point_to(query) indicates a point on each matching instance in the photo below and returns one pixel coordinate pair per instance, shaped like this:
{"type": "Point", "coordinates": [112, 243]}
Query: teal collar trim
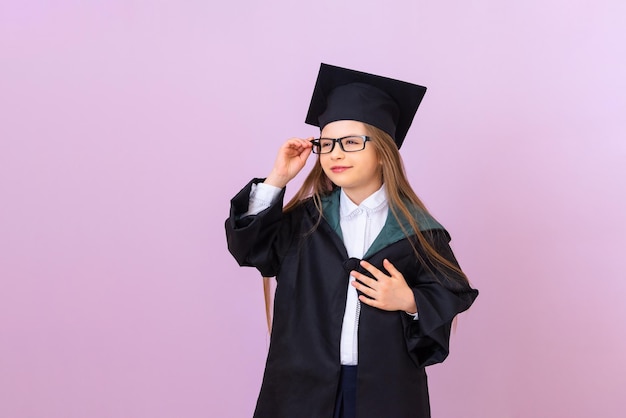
{"type": "Point", "coordinates": [391, 232]}
{"type": "Point", "coordinates": [330, 210]}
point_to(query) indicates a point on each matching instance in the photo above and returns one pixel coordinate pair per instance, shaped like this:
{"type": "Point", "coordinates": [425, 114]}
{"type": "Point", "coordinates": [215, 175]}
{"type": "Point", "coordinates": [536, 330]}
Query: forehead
{"type": "Point", "coordinates": [342, 128]}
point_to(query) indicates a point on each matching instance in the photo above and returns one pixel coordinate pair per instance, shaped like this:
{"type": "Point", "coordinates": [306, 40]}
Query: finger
{"type": "Point", "coordinates": [296, 147]}
{"type": "Point", "coordinates": [371, 302]}
{"type": "Point", "coordinates": [305, 142]}
{"type": "Point", "coordinates": [372, 269]}
{"type": "Point", "coordinates": [364, 289]}
{"type": "Point", "coordinates": [367, 281]}
{"type": "Point", "coordinates": [306, 152]}
{"type": "Point", "coordinates": [391, 269]}
{"type": "Point", "coordinates": [295, 143]}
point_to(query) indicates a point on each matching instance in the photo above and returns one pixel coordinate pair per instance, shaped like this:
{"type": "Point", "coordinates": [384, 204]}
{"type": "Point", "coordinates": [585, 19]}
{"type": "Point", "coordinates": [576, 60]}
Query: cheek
{"type": "Point", "coordinates": [325, 163]}
{"type": "Point", "coordinates": [376, 166]}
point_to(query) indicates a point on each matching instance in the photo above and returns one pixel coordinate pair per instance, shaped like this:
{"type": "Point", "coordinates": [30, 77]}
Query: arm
{"type": "Point", "coordinates": [252, 229]}
{"type": "Point", "coordinates": [436, 298]}
{"type": "Point", "coordinates": [262, 195]}
{"type": "Point", "coordinates": [439, 299]}
{"type": "Point", "coordinates": [251, 239]}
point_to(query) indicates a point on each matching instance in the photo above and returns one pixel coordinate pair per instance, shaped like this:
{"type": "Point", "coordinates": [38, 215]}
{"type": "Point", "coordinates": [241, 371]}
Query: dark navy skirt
{"type": "Point", "coordinates": [345, 405]}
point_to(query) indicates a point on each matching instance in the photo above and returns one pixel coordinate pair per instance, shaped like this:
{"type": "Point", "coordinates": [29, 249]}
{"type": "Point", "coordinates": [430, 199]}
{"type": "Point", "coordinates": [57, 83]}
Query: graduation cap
{"type": "Point", "coordinates": [343, 94]}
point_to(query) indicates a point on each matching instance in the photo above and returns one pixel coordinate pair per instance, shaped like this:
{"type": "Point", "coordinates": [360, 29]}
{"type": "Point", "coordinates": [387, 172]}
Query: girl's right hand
{"type": "Point", "coordinates": [291, 159]}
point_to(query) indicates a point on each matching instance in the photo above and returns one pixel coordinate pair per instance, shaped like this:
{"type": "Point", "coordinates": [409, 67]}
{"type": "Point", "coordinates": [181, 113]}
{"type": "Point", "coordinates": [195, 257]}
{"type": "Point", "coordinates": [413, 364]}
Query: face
{"type": "Point", "coordinates": [358, 173]}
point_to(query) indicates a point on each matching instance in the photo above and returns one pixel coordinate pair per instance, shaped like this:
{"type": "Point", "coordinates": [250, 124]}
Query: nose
{"type": "Point", "coordinates": [337, 152]}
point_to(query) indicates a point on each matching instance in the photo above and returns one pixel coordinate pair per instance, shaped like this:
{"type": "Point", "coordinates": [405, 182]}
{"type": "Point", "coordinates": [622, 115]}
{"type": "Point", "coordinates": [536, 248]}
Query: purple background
{"type": "Point", "coordinates": [126, 127]}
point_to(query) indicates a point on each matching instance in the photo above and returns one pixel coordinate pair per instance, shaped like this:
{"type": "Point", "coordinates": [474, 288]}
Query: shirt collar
{"type": "Point", "coordinates": [373, 203]}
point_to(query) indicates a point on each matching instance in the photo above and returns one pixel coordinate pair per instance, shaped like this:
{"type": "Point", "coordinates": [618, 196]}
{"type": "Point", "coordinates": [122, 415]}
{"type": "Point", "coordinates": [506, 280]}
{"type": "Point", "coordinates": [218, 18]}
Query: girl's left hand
{"type": "Point", "coordinates": [387, 292]}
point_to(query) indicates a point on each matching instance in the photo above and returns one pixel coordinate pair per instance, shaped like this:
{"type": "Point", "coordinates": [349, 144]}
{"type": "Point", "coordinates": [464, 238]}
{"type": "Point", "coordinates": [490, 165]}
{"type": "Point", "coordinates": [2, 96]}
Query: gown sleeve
{"type": "Point", "coordinates": [252, 240]}
{"type": "Point", "coordinates": [439, 299]}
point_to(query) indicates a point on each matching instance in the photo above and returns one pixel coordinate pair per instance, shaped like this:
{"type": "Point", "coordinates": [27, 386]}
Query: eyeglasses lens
{"type": "Point", "coordinates": [349, 144]}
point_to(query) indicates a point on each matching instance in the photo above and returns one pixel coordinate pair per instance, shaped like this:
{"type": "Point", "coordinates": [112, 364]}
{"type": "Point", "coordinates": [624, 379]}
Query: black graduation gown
{"type": "Point", "coordinates": [311, 268]}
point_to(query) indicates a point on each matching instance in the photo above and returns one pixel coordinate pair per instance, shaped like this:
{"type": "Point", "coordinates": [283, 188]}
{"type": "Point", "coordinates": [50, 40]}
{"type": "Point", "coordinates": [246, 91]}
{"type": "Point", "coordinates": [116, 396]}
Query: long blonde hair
{"type": "Point", "coordinates": [400, 196]}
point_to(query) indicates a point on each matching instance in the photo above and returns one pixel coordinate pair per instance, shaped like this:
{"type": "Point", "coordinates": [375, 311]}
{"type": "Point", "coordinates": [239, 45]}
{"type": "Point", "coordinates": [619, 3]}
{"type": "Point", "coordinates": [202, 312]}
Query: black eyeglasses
{"type": "Point", "coordinates": [352, 143]}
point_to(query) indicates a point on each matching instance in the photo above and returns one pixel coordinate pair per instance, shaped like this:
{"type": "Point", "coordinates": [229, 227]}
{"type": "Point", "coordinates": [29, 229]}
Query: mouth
{"type": "Point", "coordinates": [339, 168]}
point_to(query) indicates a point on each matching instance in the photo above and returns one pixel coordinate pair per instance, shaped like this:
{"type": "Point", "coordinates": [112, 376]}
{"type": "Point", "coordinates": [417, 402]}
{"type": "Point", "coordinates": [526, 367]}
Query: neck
{"type": "Point", "coordinates": [359, 195]}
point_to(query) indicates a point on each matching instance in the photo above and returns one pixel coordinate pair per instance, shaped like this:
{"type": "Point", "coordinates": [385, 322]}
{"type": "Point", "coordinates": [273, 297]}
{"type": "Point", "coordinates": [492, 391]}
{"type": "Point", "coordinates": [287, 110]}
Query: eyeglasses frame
{"type": "Point", "coordinates": [316, 141]}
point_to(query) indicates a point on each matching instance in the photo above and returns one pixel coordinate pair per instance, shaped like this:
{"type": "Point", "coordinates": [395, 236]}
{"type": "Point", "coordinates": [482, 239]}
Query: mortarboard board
{"type": "Point", "coordinates": [343, 94]}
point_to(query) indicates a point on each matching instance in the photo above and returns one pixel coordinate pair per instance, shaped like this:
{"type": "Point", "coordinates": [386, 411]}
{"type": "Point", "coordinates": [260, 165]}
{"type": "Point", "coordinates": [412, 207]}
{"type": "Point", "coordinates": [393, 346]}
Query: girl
{"type": "Point", "coordinates": [367, 285]}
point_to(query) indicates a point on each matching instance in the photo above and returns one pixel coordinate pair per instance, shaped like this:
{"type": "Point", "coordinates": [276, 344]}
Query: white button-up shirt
{"type": "Point", "coordinates": [360, 225]}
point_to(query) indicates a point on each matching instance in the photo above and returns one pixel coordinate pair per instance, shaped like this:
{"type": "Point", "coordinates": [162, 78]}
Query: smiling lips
{"type": "Point", "coordinates": [339, 168]}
